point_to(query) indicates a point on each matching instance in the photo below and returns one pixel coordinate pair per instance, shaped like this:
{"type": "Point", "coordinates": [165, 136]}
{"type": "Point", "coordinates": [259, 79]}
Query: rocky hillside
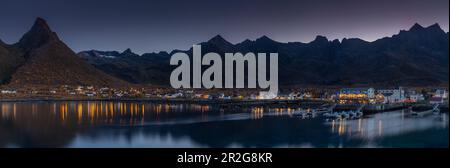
{"type": "Point", "coordinates": [41, 58]}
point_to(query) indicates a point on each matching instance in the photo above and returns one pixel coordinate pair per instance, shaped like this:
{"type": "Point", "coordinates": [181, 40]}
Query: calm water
{"type": "Point", "coordinates": [135, 124]}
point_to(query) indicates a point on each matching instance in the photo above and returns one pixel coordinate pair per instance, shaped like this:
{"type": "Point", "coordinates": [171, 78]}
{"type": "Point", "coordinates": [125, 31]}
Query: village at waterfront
{"type": "Point", "coordinates": [333, 102]}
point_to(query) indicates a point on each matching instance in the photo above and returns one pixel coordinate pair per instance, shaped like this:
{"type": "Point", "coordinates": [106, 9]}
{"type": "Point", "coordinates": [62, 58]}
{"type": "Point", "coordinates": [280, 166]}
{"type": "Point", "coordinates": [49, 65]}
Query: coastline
{"type": "Point", "coordinates": [374, 108]}
{"type": "Point", "coordinates": [174, 100]}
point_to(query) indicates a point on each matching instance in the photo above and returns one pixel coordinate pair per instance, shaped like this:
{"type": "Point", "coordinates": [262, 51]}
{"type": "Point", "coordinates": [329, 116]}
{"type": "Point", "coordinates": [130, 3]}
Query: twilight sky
{"type": "Point", "coordinates": [163, 25]}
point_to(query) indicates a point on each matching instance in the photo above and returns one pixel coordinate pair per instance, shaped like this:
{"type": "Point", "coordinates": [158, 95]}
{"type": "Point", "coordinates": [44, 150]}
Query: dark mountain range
{"type": "Point", "coordinates": [150, 68]}
{"type": "Point", "coordinates": [41, 58]}
{"type": "Point", "coordinates": [415, 57]}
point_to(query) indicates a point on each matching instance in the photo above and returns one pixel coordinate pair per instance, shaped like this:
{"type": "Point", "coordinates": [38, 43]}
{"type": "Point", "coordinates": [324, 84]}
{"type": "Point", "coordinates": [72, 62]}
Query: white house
{"type": "Point", "coordinates": [393, 95]}
{"type": "Point", "coordinates": [8, 92]}
{"type": "Point", "coordinates": [266, 95]}
{"type": "Point", "coordinates": [441, 93]}
{"type": "Point", "coordinates": [416, 97]}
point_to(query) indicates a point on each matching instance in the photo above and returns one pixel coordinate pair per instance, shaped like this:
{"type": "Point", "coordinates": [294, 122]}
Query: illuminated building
{"type": "Point", "coordinates": [356, 95]}
{"type": "Point", "coordinates": [393, 95]}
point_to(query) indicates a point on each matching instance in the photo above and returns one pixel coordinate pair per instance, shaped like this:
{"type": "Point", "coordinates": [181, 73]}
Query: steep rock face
{"type": "Point", "coordinates": [55, 64]}
{"type": "Point", "coordinates": [10, 59]}
{"type": "Point", "coordinates": [50, 62]}
{"type": "Point", "coordinates": [37, 36]}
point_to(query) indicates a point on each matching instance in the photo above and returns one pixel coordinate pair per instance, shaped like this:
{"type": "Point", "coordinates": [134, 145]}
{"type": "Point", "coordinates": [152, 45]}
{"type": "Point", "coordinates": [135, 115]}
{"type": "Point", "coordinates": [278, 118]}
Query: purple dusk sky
{"type": "Point", "coordinates": [156, 25]}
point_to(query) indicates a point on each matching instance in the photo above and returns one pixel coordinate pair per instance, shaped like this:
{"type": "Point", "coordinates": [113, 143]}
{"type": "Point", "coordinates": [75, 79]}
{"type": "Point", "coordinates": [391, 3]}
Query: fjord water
{"type": "Point", "coordinates": [143, 124]}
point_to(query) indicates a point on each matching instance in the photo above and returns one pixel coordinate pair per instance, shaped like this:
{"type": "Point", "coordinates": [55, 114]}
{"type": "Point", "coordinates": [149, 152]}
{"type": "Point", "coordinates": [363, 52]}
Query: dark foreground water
{"type": "Point", "coordinates": [135, 124]}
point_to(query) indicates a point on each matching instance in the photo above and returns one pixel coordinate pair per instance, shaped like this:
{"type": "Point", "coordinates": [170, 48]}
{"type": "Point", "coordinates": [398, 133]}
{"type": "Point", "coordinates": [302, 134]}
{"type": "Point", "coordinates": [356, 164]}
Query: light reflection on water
{"type": "Point", "coordinates": [387, 124]}
{"type": "Point", "coordinates": [140, 124]}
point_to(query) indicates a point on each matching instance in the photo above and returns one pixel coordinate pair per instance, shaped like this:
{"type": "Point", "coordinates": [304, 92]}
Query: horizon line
{"type": "Point", "coordinates": [235, 43]}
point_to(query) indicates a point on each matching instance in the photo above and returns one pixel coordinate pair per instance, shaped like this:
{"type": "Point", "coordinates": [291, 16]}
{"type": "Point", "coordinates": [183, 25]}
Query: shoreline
{"type": "Point", "coordinates": [226, 103]}
{"type": "Point", "coordinates": [178, 100]}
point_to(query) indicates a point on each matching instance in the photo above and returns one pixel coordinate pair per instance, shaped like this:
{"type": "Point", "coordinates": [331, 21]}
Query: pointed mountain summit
{"type": "Point", "coordinates": [39, 34]}
{"type": "Point", "coordinates": [50, 62]}
{"type": "Point", "coordinates": [246, 41]}
{"type": "Point", "coordinates": [219, 40]}
{"type": "Point", "coordinates": [128, 53]}
{"type": "Point", "coordinates": [419, 29]}
{"type": "Point", "coordinates": [217, 43]}
{"type": "Point", "coordinates": [435, 28]}
{"type": "Point", "coordinates": [245, 45]}
{"type": "Point", "coordinates": [419, 34]}
{"type": "Point", "coordinates": [265, 38]}
{"type": "Point", "coordinates": [416, 27]}
{"type": "Point", "coordinates": [261, 44]}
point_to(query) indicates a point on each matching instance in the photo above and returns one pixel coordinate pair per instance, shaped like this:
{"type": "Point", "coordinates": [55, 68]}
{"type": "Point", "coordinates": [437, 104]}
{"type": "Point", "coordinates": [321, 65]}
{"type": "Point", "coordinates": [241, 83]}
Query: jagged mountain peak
{"type": "Point", "coordinates": [246, 41]}
{"type": "Point", "coordinates": [416, 27]}
{"type": "Point", "coordinates": [39, 34]}
{"type": "Point", "coordinates": [128, 52]}
{"type": "Point", "coordinates": [417, 31]}
{"type": "Point", "coordinates": [42, 23]}
{"type": "Point", "coordinates": [49, 61]}
{"type": "Point", "coordinates": [435, 26]}
{"type": "Point", "coordinates": [419, 28]}
{"type": "Point", "coordinates": [264, 39]}
{"type": "Point", "coordinates": [218, 40]}
{"type": "Point", "coordinates": [320, 39]}
{"type": "Point", "coordinates": [353, 61]}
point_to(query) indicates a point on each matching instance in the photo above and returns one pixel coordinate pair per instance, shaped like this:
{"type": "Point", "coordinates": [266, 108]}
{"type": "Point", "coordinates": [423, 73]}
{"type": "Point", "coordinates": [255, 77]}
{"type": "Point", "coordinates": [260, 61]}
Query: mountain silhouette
{"type": "Point", "coordinates": [43, 59]}
{"type": "Point", "coordinates": [418, 56]}
{"type": "Point", "coordinates": [415, 57]}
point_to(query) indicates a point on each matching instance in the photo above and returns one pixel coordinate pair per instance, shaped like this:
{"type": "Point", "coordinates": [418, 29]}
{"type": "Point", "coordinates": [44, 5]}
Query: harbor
{"type": "Point", "coordinates": [150, 124]}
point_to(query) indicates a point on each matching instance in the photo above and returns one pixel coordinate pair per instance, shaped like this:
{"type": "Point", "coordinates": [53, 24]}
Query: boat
{"type": "Point", "coordinates": [304, 114]}
{"type": "Point", "coordinates": [321, 110]}
{"type": "Point", "coordinates": [343, 115]}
